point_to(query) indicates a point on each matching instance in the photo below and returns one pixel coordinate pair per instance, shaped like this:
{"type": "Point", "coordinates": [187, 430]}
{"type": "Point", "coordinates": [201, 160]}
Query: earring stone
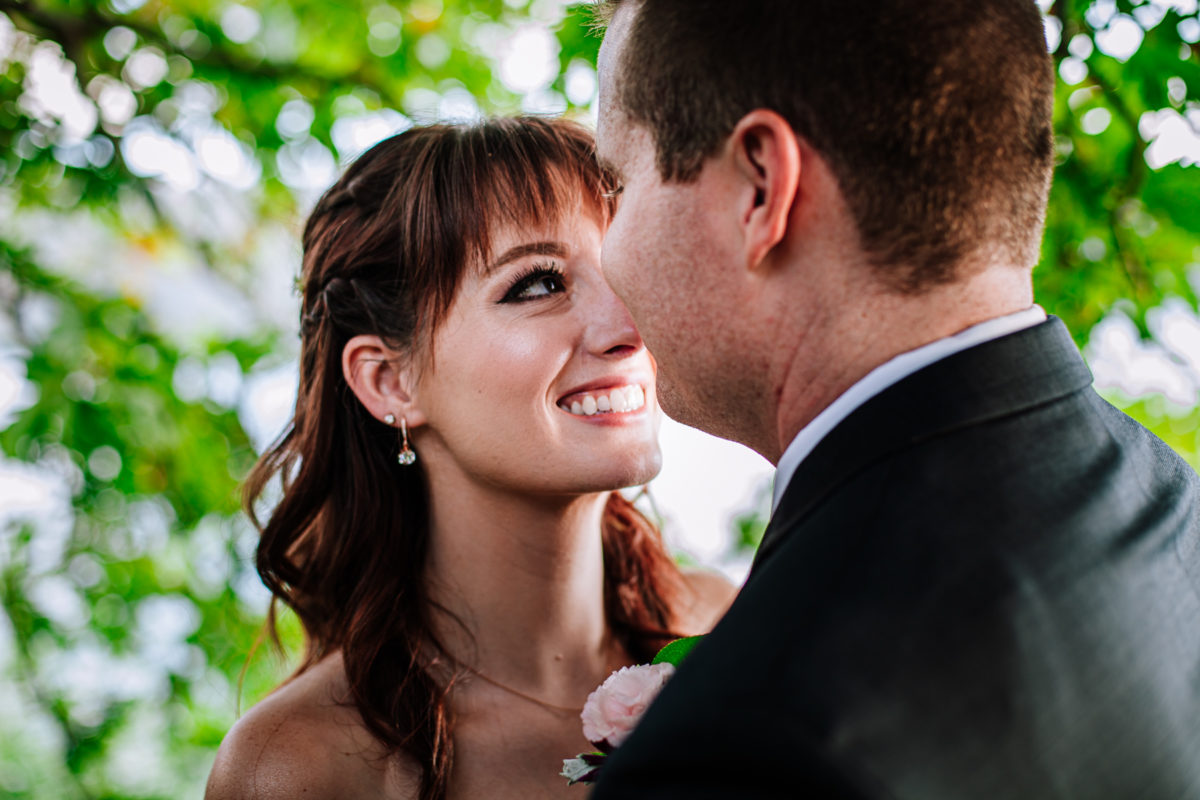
{"type": "Point", "coordinates": [406, 456]}
{"type": "Point", "coordinates": [390, 419]}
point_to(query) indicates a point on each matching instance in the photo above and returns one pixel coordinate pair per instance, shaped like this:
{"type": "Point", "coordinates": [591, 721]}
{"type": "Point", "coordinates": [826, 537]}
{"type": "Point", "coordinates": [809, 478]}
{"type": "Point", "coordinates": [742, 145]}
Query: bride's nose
{"type": "Point", "coordinates": [610, 330]}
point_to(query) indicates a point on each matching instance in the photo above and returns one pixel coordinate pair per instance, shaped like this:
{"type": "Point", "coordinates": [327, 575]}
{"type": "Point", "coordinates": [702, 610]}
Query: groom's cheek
{"type": "Point", "coordinates": [614, 263]}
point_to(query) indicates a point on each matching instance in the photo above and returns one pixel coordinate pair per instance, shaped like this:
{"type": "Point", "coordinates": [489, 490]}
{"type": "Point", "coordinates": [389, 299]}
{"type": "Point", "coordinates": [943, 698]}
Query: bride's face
{"type": "Point", "coordinates": [539, 380]}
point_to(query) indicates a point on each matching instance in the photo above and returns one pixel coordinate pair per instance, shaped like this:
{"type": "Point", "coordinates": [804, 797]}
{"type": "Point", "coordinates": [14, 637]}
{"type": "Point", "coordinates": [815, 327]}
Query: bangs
{"type": "Point", "coordinates": [524, 173]}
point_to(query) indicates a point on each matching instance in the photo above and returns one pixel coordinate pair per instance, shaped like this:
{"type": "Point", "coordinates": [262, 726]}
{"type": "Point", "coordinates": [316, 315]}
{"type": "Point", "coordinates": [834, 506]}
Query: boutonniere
{"type": "Point", "coordinates": [615, 708]}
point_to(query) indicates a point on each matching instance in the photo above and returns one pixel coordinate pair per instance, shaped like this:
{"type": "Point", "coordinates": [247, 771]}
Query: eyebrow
{"type": "Point", "coordinates": [557, 249]}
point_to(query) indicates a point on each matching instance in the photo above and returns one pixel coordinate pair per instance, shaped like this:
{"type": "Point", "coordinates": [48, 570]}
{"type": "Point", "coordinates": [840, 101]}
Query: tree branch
{"type": "Point", "coordinates": [1129, 188]}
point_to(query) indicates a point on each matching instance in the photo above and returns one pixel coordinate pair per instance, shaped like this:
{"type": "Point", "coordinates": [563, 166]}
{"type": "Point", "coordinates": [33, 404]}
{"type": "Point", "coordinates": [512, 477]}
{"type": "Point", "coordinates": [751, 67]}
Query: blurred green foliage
{"type": "Point", "coordinates": [155, 149]}
{"type": "Point", "coordinates": [1120, 233]}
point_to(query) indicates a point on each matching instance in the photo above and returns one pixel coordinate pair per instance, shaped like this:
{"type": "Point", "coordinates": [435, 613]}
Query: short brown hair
{"type": "Point", "coordinates": [934, 116]}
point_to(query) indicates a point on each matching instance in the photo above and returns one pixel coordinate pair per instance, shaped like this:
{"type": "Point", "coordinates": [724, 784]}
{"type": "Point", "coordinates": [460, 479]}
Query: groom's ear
{"type": "Point", "coordinates": [766, 155]}
{"type": "Point", "coordinates": [382, 379]}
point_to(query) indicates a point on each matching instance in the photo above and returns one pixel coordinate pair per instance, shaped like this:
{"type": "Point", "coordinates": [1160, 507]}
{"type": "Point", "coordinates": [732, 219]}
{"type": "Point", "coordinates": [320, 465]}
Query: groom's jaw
{"type": "Point", "coordinates": [617, 400]}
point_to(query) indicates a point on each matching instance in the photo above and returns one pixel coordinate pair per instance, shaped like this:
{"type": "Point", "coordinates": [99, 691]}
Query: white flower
{"type": "Point", "coordinates": [578, 770]}
{"type": "Point", "coordinates": [613, 710]}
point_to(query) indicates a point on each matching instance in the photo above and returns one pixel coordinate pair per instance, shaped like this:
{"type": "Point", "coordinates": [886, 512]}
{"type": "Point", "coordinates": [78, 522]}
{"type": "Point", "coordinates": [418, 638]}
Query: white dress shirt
{"type": "Point", "coordinates": [885, 375]}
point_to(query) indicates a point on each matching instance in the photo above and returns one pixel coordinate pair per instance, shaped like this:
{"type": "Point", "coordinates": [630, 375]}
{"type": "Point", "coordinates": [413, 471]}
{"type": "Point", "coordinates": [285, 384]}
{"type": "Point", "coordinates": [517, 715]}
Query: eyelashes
{"type": "Point", "coordinates": [535, 283]}
{"type": "Point", "coordinates": [614, 193]}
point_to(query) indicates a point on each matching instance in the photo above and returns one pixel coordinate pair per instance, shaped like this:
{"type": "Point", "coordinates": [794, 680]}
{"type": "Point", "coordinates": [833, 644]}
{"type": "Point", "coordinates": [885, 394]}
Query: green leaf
{"type": "Point", "coordinates": [677, 651]}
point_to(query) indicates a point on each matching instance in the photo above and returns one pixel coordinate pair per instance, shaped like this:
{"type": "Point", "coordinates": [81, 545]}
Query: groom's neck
{"type": "Point", "coordinates": [862, 327]}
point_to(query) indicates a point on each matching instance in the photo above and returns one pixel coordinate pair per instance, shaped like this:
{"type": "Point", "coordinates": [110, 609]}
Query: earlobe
{"type": "Point", "coordinates": [381, 379]}
{"type": "Point", "coordinates": [767, 154]}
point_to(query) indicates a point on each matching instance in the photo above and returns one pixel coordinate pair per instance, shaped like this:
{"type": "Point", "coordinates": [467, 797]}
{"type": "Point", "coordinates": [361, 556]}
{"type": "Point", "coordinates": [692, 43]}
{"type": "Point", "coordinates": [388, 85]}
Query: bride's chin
{"type": "Point", "coordinates": [628, 473]}
{"type": "Point", "coordinates": [641, 471]}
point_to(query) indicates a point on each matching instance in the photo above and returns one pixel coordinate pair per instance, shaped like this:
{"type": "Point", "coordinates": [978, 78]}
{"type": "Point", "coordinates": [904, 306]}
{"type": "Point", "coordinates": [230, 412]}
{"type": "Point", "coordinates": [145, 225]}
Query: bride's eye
{"type": "Point", "coordinates": [540, 281]}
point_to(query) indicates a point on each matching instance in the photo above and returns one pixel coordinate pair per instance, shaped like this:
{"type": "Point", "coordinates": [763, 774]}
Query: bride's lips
{"type": "Point", "coordinates": [616, 396]}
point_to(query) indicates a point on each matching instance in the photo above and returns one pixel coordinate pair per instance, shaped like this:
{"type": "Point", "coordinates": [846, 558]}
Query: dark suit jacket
{"type": "Point", "coordinates": [984, 583]}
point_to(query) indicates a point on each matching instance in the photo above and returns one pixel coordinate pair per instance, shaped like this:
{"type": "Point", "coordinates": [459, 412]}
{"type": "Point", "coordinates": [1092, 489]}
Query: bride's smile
{"type": "Point", "coordinates": [623, 400]}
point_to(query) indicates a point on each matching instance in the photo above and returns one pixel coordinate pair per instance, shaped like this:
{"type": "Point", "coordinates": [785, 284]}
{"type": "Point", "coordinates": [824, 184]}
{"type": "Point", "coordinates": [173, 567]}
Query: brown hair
{"type": "Point", "coordinates": [345, 548]}
{"type": "Point", "coordinates": [935, 117]}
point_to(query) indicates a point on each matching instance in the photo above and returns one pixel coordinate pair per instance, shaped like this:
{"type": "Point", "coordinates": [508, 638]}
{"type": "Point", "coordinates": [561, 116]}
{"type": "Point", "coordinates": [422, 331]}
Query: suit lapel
{"type": "Point", "coordinates": [995, 379]}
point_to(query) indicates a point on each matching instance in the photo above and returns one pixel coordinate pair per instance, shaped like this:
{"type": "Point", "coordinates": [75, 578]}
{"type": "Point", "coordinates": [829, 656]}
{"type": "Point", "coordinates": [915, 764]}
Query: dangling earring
{"type": "Point", "coordinates": [406, 457]}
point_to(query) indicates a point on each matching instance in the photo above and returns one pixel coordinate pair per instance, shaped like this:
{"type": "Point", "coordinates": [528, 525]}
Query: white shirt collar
{"type": "Point", "coordinates": [885, 375]}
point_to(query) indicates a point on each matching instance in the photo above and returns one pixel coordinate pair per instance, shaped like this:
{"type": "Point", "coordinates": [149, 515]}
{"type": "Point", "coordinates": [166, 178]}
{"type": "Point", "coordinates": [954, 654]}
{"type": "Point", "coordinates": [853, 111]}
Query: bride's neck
{"type": "Point", "coordinates": [525, 577]}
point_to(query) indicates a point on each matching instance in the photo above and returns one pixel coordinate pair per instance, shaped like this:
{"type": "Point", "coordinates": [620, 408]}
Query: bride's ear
{"type": "Point", "coordinates": [381, 378]}
{"type": "Point", "coordinates": [767, 156]}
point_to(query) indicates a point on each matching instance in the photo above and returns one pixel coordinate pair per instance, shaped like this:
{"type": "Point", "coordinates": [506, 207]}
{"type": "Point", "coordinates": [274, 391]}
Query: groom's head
{"type": "Point", "coordinates": [910, 139]}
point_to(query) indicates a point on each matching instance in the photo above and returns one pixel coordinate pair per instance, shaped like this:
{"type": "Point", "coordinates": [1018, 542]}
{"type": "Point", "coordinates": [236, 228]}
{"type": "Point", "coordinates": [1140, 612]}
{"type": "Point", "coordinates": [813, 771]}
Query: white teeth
{"type": "Point", "coordinates": [620, 400]}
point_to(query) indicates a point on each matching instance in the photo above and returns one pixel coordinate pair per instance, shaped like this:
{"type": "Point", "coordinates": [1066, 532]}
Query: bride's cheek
{"type": "Point", "coordinates": [513, 368]}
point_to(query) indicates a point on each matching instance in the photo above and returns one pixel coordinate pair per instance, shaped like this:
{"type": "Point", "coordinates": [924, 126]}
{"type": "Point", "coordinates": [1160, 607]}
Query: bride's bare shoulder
{"type": "Point", "coordinates": [301, 741]}
{"type": "Point", "coordinates": [271, 754]}
{"type": "Point", "coordinates": [707, 597]}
